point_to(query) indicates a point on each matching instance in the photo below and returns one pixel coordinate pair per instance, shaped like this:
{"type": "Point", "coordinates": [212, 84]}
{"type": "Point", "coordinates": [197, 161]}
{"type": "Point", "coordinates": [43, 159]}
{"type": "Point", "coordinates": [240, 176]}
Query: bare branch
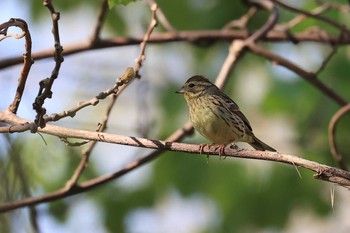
{"type": "Point", "coordinates": [161, 17]}
{"type": "Point", "coordinates": [100, 20]}
{"type": "Point", "coordinates": [331, 135]}
{"type": "Point", "coordinates": [323, 170]}
{"type": "Point", "coordinates": [237, 46]}
{"type": "Point", "coordinates": [96, 182]}
{"type": "Point", "coordinates": [300, 18]}
{"type": "Point", "coordinates": [308, 76]}
{"type": "Point", "coordinates": [128, 76]}
{"type": "Point", "coordinates": [341, 27]}
{"type": "Point", "coordinates": [142, 57]}
{"type": "Point", "coordinates": [27, 57]}
{"type": "Point", "coordinates": [326, 60]}
{"type": "Point", "coordinates": [317, 36]}
{"type": "Point", "coordinates": [46, 84]}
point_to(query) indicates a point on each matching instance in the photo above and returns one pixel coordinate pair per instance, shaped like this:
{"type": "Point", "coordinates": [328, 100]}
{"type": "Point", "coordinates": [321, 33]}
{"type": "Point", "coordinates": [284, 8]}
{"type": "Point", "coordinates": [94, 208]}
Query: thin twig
{"type": "Point", "coordinates": [331, 135]}
{"type": "Point", "coordinates": [341, 27]}
{"type": "Point", "coordinates": [23, 179]}
{"type": "Point", "coordinates": [162, 18]}
{"type": "Point", "coordinates": [326, 60]}
{"type": "Point", "coordinates": [126, 78]}
{"type": "Point", "coordinates": [100, 20]}
{"type": "Point", "coordinates": [142, 57]}
{"type": "Point", "coordinates": [308, 76]}
{"type": "Point", "coordinates": [300, 18]}
{"type": "Point", "coordinates": [46, 84]}
{"type": "Point", "coordinates": [237, 46]}
{"type": "Point", "coordinates": [318, 36]}
{"type": "Point", "coordinates": [27, 57]}
{"type": "Point", "coordinates": [242, 22]}
{"type": "Point", "coordinates": [178, 135]}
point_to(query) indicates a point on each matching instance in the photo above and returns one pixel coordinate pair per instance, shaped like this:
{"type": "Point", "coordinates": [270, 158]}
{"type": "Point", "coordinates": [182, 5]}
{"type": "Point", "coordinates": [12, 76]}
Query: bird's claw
{"type": "Point", "coordinates": [221, 150]}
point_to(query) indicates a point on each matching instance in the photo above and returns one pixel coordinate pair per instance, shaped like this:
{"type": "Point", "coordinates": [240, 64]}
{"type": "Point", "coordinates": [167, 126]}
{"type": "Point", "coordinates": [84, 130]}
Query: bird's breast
{"type": "Point", "coordinates": [214, 122]}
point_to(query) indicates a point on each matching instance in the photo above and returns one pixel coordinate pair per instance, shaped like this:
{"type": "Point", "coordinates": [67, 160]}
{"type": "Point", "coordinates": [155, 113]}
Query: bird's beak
{"type": "Point", "coordinates": [180, 91]}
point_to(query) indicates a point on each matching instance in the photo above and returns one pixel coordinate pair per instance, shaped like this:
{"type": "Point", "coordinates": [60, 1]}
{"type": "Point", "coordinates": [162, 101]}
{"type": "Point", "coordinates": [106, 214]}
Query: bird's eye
{"type": "Point", "coordinates": [191, 85]}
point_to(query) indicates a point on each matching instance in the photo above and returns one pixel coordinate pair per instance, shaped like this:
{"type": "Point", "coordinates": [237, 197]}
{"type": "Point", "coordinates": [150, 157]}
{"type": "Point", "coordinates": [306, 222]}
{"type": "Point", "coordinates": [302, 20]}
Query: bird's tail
{"type": "Point", "coordinates": [259, 145]}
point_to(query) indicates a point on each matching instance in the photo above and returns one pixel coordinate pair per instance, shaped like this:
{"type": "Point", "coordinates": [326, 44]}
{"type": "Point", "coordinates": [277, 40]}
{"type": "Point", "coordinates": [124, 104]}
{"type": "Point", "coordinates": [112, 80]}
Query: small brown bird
{"type": "Point", "coordinates": [216, 116]}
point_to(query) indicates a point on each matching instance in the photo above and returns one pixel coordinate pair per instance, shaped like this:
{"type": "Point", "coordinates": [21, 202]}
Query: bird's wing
{"type": "Point", "coordinates": [234, 108]}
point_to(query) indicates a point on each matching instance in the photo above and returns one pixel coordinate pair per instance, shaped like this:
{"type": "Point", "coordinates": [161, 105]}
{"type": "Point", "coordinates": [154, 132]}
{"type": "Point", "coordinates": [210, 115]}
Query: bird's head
{"type": "Point", "coordinates": [195, 86]}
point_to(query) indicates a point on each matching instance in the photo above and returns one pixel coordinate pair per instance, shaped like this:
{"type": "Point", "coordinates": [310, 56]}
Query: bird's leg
{"type": "Point", "coordinates": [201, 148]}
{"type": "Point", "coordinates": [221, 149]}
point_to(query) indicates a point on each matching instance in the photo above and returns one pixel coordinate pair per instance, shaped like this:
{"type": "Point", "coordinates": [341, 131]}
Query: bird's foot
{"type": "Point", "coordinates": [201, 148]}
{"type": "Point", "coordinates": [221, 149]}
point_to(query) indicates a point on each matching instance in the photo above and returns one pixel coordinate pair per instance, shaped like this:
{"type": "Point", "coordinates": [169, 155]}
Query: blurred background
{"type": "Point", "coordinates": [177, 192]}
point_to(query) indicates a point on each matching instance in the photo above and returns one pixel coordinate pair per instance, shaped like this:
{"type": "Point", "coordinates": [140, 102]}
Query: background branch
{"type": "Point", "coordinates": [318, 36]}
{"type": "Point", "coordinates": [332, 132]}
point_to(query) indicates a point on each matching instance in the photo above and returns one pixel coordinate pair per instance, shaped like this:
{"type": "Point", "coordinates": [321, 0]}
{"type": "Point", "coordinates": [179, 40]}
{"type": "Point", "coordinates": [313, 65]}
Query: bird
{"type": "Point", "coordinates": [216, 116]}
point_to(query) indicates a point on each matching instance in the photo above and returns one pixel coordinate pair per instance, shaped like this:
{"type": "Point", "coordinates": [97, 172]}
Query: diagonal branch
{"type": "Point", "coordinates": [100, 20]}
{"type": "Point", "coordinates": [128, 76]}
{"type": "Point", "coordinates": [142, 57]}
{"type": "Point", "coordinates": [335, 24]}
{"type": "Point", "coordinates": [237, 46]}
{"type": "Point", "coordinates": [308, 76]}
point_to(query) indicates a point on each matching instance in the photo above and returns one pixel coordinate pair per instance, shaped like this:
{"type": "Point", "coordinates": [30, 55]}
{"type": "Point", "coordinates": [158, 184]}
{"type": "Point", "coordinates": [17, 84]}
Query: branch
{"type": "Point", "coordinates": [46, 84]}
{"type": "Point", "coordinates": [27, 57]}
{"type": "Point", "coordinates": [128, 76]}
{"type": "Point", "coordinates": [96, 182]}
{"type": "Point", "coordinates": [237, 46]}
{"type": "Point", "coordinates": [323, 172]}
{"type": "Point", "coordinates": [318, 36]}
{"type": "Point", "coordinates": [331, 135]}
{"type": "Point", "coordinates": [308, 76]}
{"type": "Point", "coordinates": [335, 24]}
{"type": "Point", "coordinates": [161, 17]}
{"type": "Point", "coordinates": [100, 20]}
{"type": "Point", "coordinates": [142, 57]}
{"type": "Point", "coordinates": [300, 18]}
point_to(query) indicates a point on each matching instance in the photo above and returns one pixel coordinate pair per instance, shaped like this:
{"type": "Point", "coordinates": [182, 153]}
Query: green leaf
{"type": "Point", "coordinates": [113, 3]}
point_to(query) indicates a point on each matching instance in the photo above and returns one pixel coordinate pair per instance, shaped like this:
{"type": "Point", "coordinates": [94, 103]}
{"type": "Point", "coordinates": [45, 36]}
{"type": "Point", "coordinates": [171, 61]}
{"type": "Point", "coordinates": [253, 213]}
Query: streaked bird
{"type": "Point", "coordinates": [216, 116]}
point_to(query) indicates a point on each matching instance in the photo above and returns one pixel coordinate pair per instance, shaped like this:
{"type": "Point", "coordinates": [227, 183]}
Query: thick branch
{"type": "Point", "coordinates": [324, 172]}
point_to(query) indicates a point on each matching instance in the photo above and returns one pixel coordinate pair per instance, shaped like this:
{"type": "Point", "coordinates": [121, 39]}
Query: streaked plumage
{"type": "Point", "coordinates": [216, 116]}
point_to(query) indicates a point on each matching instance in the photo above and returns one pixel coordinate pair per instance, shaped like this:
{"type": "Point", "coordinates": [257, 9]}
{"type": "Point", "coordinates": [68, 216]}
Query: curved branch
{"type": "Point", "coordinates": [331, 135]}
{"type": "Point", "coordinates": [27, 57]}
